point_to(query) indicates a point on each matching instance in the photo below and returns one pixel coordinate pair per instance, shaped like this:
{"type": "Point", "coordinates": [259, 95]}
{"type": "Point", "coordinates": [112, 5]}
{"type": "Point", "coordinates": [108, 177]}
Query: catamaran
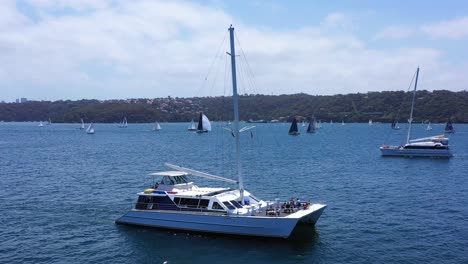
{"type": "Point", "coordinates": [192, 126]}
{"type": "Point", "coordinates": [204, 125]}
{"type": "Point", "coordinates": [435, 146]}
{"type": "Point", "coordinates": [175, 202]}
{"type": "Point", "coordinates": [293, 130]}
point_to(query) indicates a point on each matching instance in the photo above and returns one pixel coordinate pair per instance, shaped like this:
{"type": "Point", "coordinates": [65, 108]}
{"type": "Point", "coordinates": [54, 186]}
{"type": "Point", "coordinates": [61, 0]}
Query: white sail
{"type": "Point", "coordinates": [429, 127]}
{"type": "Point", "coordinates": [41, 124]}
{"type": "Point", "coordinates": [82, 124]}
{"type": "Point", "coordinates": [90, 129]}
{"type": "Point", "coordinates": [157, 126]}
{"type": "Point", "coordinates": [206, 123]}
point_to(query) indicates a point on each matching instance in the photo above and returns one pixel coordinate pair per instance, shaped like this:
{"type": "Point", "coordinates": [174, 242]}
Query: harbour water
{"type": "Point", "coordinates": [62, 189]}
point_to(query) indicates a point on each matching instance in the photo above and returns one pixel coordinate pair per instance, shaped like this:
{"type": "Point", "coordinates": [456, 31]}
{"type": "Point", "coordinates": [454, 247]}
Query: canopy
{"type": "Point", "coordinates": [169, 173]}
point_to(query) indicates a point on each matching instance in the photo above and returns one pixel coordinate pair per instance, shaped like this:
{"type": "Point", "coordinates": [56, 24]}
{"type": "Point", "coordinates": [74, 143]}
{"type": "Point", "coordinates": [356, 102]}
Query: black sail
{"type": "Point", "coordinates": [200, 123]}
{"type": "Point", "coordinates": [293, 127]}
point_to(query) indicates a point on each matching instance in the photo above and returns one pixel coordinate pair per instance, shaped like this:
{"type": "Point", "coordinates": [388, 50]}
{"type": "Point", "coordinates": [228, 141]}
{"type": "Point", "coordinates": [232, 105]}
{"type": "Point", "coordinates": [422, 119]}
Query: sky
{"type": "Point", "coordinates": [115, 49]}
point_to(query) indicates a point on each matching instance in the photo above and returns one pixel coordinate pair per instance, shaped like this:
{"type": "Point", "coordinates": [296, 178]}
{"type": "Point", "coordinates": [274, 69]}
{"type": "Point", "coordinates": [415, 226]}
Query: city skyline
{"type": "Point", "coordinates": [55, 49]}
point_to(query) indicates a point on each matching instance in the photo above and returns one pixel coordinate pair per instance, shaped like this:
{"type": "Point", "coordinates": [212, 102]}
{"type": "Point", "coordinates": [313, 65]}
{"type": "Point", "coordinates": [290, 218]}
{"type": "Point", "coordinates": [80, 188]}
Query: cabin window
{"type": "Point", "coordinates": [204, 203]}
{"type": "Point", "coordinates": [236, 204]}
{"type": "Point", "coordinates": [216, 206]}
{"type": "Point", "coordinates": [229, 205]}
{"type": "Point", "coordinates": [192, 203]}
{"type": "Point", "coordinates": [143, 202]}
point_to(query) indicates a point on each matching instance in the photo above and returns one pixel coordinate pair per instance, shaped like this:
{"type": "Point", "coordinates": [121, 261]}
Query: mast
{"type": "Point", "coordinates": [410, 120]}
{"type": "Point", "coordinates": [236, 113]}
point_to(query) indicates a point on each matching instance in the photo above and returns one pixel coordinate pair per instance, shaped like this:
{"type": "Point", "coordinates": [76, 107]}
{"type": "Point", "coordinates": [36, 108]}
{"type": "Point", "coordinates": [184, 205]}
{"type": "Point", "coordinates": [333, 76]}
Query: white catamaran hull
{"type": "Point", "coordinates": [263, 226]}
{"type": "Point", "coordinates": [396, 151]}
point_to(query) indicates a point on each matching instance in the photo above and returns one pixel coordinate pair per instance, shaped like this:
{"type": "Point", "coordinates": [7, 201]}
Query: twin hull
{"type": "Point", "coordinates": [263, 226]}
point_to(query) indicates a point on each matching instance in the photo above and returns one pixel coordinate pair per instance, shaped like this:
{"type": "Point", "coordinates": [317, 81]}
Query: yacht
{"type": "Point", "coordinates": [175, 202]}
{"type": "Point", "coordinates": [436, 146]}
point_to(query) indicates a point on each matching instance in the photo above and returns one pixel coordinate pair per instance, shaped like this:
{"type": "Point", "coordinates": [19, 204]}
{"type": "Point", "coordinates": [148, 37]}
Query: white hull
{"type": "Point", "coordinates": [401, 152]}
{"type": "Point", "coordinates": [263, 226]}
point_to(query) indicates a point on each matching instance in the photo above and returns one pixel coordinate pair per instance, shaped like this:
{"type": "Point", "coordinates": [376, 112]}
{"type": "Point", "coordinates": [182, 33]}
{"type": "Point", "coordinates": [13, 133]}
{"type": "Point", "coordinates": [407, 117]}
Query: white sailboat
{"type": "Point", "coordinates": [157, 126]}
{"type": "Point", "coordinates": [192, 126]}
{"type": "Point", "coordinates": [429, 127]}
{"type": "Point", "coordinates": [303, 123]}
{"type": "Point", "coordinates": [370, 122]}
{"type": "Point", "coordinates": [41, 124]}
{"type": "Point", "coordinates": [90, 129]}
{"type": "Point", "coordinates": [204, 125]}
{"type": "Point", "coordinates": [435, 146]}
{"type": "Point", "coordinates": [124, 123]}
{"type": "Point", "coordinates": [175, 202]}
{"type": "Point", "coordinates": [82, 124]}
{"type": "Point", "coordinates": [342, 122]}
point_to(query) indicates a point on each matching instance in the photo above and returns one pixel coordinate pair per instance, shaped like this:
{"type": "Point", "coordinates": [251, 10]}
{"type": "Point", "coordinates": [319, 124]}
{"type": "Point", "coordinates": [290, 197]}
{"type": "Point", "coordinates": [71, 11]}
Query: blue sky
{"type": "Point", "coordinates": [59, 49]}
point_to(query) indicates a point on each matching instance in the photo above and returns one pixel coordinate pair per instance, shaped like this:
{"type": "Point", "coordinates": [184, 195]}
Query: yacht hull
{"type": "Point", "coordinates": [401, 152]}
{"type": "Point", "coordinates": [262, 226]}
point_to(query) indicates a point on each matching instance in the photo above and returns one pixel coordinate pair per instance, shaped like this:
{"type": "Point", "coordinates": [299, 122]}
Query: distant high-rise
{"type": "Point", "coordinates": [23, 100]}
{"type": "Point", "coordinates": [17, 101]}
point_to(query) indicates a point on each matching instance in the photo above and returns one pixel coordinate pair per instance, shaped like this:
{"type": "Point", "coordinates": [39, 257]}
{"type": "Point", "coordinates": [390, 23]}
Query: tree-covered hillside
{"type": "Point", "coordinates": [434, 106]}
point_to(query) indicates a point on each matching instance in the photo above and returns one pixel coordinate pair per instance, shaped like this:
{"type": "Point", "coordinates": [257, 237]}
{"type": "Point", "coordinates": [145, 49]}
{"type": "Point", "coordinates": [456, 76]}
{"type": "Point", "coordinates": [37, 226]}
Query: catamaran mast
{"type": "Point", "coordinates": [236, 113]}
{"type": "Point", "coordinates": [410, 120]}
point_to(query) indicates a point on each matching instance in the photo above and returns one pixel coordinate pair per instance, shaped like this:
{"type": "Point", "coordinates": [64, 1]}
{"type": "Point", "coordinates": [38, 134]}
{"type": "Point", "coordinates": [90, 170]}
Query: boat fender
{"type": "Point", "coordinates": [148, 191]}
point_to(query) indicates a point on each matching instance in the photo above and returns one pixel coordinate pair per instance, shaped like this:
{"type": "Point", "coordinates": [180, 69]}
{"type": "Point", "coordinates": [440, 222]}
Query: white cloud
{"type": "Point", "coordinates": [453, 29]}
{"type": "Point", "coordinates": [159, 48]}
{"type": "Point", "coordinates": [396, 32]}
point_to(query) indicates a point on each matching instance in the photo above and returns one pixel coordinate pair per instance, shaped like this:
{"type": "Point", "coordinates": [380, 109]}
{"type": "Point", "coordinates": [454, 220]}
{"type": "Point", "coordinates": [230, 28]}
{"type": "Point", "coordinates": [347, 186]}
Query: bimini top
{"type": "Point", "coordinates": [169, 173]}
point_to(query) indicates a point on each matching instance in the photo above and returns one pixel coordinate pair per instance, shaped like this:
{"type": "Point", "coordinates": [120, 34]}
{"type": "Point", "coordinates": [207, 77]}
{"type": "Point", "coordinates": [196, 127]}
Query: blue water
{"type": "Point", "coordinates": [62, 189]}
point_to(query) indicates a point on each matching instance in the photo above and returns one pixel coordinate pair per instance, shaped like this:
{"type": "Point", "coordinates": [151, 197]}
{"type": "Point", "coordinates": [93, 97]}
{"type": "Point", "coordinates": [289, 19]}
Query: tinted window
{"type": "Point", "coordinates": [204, 203]}
{"type": "Point", "coordinates": [236, 204]}
{"type": "Point", "coordinates": [216, 206]}
{"type": "Point", "coordinates": [229, 205]}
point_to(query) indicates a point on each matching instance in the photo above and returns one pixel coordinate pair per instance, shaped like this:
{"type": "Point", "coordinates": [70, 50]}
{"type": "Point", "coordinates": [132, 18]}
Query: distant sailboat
{"type": "Point", "coordinates": [449, 127]}
{"type": "Point", "coordinates": [90, 129]}
{"type": "Point", "coordinates": [331, 122]}
{"type": "Point", "coordinates": [204, 125]}
{"type": "Point", "coordinates": [370, 122]}
{"type": "Point", "coordinates": [49, 123]}
{"type": "Point", "coordinates": [303, 123]}
{"type": "Point", "coordinates": [157, 126]}
{"type": "Point", "coordinates": [293, 131]}
{"type": "Point", "coordinates": [395, 125]}
{"type": "Point", "coordinates": [124, 123]}
{"type": "Point", "coordinates": [342, 122]}
{"type": "Point", "coordinates": [192, 126]}
{"type": "Point", "coordinates": [41, 124]}
{"type": "Point", "coordinates": [311, 128]}
{"type": "Point", "coordinates": [429, 127]}
{"type": "Point", "coordinates": [435, 146]}
{"type": "Point", "coordinates": [82, 124]}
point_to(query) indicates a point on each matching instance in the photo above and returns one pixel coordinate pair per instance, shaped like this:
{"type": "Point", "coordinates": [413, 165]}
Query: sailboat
{"type": "Point", "coordinates": [429, 127]}
{"type": "Point", "coordinates": [204, 125]}
{"type": "Point", "coordinates": [90, 129]}
{"type": "Point", "coordinates": [303, 123]}
{"type": "Point", "coordinates": [82, 124]}
{"type": "Point", "coordinates": [49, 123]}
{"type": "Point", "coordinates": [124, 123]}
{"type": "Point", "coordinates": [192, 126]}
{"type": "Point", "coordinates": [370, 122]}
{"type": "Point", "coordinates": [449, 126]}
{"type": "Point", "coordinates": [312, 126]}
{"type": "Point", "coordinates": [293, 131]}
{"type": "Point", "coordinates": [395, 125]}
{"type": "Point", "coordinates": [175, 202]}
{"type": "Point", "coordinates": [342, 122]}
{"type": "Point", "coordinates": [157, 126]}
{"type": "Point", "coordinates": [435, 146]}
{"type": "Point", "coordinates": [41, 124]}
